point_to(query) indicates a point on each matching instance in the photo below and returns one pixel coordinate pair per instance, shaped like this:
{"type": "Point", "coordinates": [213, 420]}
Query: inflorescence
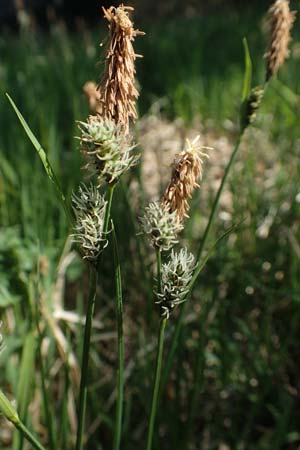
{"type": "Point", "coordinates": [161, 226]}
{"type": "Point", "coordinates": [176, 275]}
{"type": "Point", "coordinates": [108, 152]}
{"type": "Point", "coordinates": [89, 207]}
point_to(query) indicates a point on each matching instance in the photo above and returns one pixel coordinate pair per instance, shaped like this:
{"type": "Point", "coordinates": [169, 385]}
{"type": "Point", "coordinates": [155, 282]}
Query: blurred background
{"type": "Point", "coordinates": [71, 10]}
{"type": "Point", "coordinates": [240, 341]}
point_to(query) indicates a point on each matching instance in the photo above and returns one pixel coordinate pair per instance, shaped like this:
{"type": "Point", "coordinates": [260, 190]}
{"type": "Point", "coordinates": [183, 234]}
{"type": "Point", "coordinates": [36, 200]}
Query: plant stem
{"type": "Point", "coordinates": [85, 357]}
{"type": "Point", "coordinates": [108, 208]}
{"type": "Point", "coordinates": [154, 402]}
{"type": "Point", "coordinates": [158, 269]}
{"type": "Point", "coordinates": [30, 438]}
{"type": "Point", "coordinates": [45, 395]}
{"type": "Point", "coordinates": [197, 379]}
{"type": "Point", "coordinates": [183, 308]}
{"type": "Point", "coordinates": [218, 196]}
{"type": "Point", "coordinates": [120, 386]}
{"type": "Point", "coordinates": [46, 401]}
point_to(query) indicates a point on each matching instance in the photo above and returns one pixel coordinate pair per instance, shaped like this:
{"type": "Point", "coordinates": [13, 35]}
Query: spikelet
{"type": "Point", "coordinates": [117, 88]}
{"type": "Point", "coordinates": [107, 150]}
{"type": "Point", "coordinates": [280, 20]}
{"type": "Point", "coordinates": [89, 207]}
{"type": "Point", "coordinates": [187, 171]}
{"type": "Point", "coordinates": [161, 226]}
{"type": "Point", "coordinates": [251, 106]}
{"type": "Point", "coordinates": [175, 277]}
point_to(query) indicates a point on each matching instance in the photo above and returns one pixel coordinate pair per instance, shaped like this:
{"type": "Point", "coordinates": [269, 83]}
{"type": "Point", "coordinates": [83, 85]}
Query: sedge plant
{"type": "Point", "coordinates": [109, 152]}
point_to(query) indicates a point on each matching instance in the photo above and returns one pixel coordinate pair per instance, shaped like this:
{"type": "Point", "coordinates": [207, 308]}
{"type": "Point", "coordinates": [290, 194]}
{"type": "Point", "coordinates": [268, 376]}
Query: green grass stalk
{"type": "Point", "coordinates": [120, 371]}
{"type": "Point", "coordinates": [157, 375]}
{"type": "Point", "coordinates": [111, 190]}
{"type": "Point", "coordinates": [156, 386]}
{"type": "Point", "coordinates": [30, 438]}
{"type": "Point", "coordinates": [46, 402]}
{"type": "Point", "coordinates": [158, 269]}
{"type": "Point", "coordinates": [85, 358]}
{"type": "Point", "coordinates": [7, 409]}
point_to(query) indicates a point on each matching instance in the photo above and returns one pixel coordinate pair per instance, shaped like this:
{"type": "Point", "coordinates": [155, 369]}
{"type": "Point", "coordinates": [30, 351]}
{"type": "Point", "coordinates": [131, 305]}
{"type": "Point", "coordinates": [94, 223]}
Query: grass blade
{"type": "Point", "coordinates": [248, 71]}
{"type": "Point", "coordinates": [25, 384]}
{"type": "Point", "coordinates": [43, 156]}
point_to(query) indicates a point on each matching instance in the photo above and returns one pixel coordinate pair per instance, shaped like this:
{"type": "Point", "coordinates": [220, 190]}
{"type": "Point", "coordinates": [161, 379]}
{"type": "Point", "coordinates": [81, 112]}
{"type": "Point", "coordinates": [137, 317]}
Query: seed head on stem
{"type": "Point", "coordinates": [280, 20]}
{"type": "Point", "coordinates": [107, 150]}
{"type": "Point", "coordinates": [175, 277]}
{"type": "Point", "coordinates": [89, 207]}
{"type": "Point", "coordinates": [117, 88]}
{"type": "Point", "coordinates": [187, 171]}
{"type": "Point", "coordinates": [161, 226]}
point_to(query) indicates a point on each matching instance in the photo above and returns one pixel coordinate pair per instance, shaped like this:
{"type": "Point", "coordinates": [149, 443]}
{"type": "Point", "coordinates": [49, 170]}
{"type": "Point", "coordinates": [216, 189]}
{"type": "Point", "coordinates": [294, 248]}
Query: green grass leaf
{"type": "Point", "coordinates": [248, 71]}
{"type": "Point", "coordinates": [43, 156]}
{"type": "Point", "coordinates": [25, 384]}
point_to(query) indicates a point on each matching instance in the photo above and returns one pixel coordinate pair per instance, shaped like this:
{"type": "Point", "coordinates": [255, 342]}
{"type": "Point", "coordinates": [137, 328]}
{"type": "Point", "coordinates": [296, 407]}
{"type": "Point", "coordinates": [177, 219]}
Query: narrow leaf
{"type": "Point", "coordinates": [25, 384]}
{"type": "Point", "coordinates": [43, 156]}
{"type": "Point", "coordinates": [248, 71]}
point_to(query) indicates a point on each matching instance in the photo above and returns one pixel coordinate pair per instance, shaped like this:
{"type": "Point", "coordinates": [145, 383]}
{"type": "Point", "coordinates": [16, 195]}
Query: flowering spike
{"type": "Point", "coordinates": [175, 277]}
{"type": "Point", "coordinates": [251, 106]}
{"type": "Point", "coordinates": [187, 171]}
{"type": "Point", "coordinates": [106, 149]}
{"type": "Point", "coordinates": [281, 20]}
{"type": "Point", "coordinates": [161, 226]}
{"type": "Point", "coordinates": [89, 207]}
{"type": "Point", "coordinates": [117, 88]}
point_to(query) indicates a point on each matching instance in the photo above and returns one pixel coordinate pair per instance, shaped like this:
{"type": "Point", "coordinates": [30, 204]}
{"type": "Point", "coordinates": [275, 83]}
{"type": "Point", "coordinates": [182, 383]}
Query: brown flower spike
{"type": "Point", "coordinates": [187, 171]}
{"type": "Point", "coordinates": [281, 20]}
{"type": "Point", "coordinates": [117, 88]}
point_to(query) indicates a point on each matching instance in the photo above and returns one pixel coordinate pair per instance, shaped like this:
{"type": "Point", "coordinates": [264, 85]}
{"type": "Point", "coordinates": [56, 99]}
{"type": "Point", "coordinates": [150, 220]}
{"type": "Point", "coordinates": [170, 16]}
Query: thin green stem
{"type": "Point", "coordinates": [46, 402]}
{"type": "Point", "coordinates": [85, 357]}
{"type": "Point", "coordinates": [146, 284]}
{"type": "Point", "coordinates": [120, 372]}
{"type": "Point", "coordinates": [197, 379]}
{"type": "Point", "coordinates": [180, 320]}
{"type": "Point", "coordinates": [156, 386]}
{"type": "Point", "coordinates": [45, 397]}
{"type": "Point", "coordinates": [111, 190]}
{"type": "Point", "coordinates": [158, 269]}
{"type": "Point", "coordinates": [30, 438]}
{"type": "Point", "coordinates": [218, 196]}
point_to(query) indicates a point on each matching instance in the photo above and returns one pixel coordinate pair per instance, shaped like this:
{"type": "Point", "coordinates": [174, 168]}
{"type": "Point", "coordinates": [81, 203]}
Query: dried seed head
{"type": "Point", "coordinates": [117, 88]}
{"type": "Point", "coordinates": [89, 207]}
{"type": "Point", "coordinates": [106, 149]}
{"type": "Point", "coordinates": [251, 106]}
{"type": "Point", "coordinates": [175, 277]}
{"type": "Point", "coordinates": [187, 171]}
{"type": "Point", "coordinates": [92, 94]}
{"type": "Point", "coordinates": [161, 226]}
{"type": "Point", "coordinates": [280, 20]}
